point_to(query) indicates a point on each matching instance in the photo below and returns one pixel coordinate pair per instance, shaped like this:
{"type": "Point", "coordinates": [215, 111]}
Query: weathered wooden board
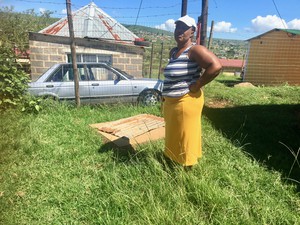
{"type": "Point", "coordinates": [132, 130]}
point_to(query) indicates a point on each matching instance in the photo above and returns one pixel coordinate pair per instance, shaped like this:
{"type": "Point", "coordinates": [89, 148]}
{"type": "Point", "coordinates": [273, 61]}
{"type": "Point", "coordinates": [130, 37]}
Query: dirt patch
{"type": "Point", "coordinates": [217, 103]}
{"type": "Point", "coordinates": [244, 84]}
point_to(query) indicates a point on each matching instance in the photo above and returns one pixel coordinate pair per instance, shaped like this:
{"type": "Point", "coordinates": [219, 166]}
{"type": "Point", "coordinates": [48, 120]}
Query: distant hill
{"type": "Point", "coordinates": [223, 48]}
{"type": "Point", "coordinates": [138, 29]}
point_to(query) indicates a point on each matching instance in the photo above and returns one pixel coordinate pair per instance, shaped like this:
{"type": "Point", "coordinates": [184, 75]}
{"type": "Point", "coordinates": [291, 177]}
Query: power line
{"type": "Point", "coordinates": [103, 7]}
{"type": "Point", "coordinates": [279, 14]}
{"type": "Point", "coordinates": [76, 7]}
{"type": "Point", "coordinates": [216, 4]}
{"type": "Point", "coordinates": [124, 18]}
{"type": "Point", "coordinates": [42, 2]}
{"type": "Point", "coordinates": [138, 12]}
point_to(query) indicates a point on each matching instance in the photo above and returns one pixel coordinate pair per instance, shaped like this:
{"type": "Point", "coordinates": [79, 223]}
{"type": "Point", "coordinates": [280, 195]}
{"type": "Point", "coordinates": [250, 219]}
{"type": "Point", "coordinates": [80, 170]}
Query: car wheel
{"type": "Point", "coordinates": [149, 98]}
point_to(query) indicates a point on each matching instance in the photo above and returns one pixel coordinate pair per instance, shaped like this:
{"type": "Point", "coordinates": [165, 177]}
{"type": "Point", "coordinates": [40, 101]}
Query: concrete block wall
{"type": "Point", "coordinates": [43, 55]}
{"type": "Point", "coordinates": [46, 50]}
{"type": "Point", "coordinates": [131, 63]}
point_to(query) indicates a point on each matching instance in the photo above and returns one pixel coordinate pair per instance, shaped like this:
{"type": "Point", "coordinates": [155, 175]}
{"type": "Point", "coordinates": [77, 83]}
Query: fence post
{"type": "Point", "coordinates": [151, 59]}
{"type": "Point", "coordinates": [73, 53]}
{"type": "Point", "coordinates": [161, 54]}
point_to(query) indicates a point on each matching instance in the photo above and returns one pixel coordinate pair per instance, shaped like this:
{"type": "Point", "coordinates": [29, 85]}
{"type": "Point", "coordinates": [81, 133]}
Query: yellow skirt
{"type": "Point", "coordinates": [183, 128]}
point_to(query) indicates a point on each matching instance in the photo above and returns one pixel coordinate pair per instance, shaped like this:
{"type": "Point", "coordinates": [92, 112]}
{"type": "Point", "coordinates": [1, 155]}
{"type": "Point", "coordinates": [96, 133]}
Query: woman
{"type": "Point", "coordinates": [182, 94]}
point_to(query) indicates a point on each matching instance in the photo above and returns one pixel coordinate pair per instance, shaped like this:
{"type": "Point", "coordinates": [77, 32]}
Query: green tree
{"type": "Point", "coordinates": [230, 53]}
{"type": "Point", "coordinates": [15, 27]}
{"type": "Point", "coordinates": [13, 82]}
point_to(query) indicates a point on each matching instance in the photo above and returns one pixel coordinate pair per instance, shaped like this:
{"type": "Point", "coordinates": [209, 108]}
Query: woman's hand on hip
{"type": "Point", "coordinates": [195, 87]}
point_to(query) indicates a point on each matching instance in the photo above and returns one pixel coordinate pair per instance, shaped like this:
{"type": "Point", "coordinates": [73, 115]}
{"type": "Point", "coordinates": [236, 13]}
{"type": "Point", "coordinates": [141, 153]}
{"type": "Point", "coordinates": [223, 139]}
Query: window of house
{"type": "Point", "coordinates": [92, 58]}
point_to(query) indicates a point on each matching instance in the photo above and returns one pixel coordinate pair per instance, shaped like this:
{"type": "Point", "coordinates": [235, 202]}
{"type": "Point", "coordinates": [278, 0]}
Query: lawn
{"type": "Point", "coordinates": [55, 169]}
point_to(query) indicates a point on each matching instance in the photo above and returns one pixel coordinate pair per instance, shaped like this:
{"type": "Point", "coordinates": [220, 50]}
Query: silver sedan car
{"type": "Point", "coordinates": [98, 83]}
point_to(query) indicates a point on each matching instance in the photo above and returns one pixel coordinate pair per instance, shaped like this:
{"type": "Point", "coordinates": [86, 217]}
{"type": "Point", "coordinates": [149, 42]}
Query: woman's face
{"type": "Point", "coordinates": [182, 32]}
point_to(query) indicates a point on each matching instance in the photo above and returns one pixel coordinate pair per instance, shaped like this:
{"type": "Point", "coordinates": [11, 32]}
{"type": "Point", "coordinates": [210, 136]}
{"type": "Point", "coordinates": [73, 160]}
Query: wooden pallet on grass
{"type": "Point", "coordinates": [132, 130]}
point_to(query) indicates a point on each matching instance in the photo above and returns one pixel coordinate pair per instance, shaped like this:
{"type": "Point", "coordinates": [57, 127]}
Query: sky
{"type": "Point", "coordinates": [233, 19]}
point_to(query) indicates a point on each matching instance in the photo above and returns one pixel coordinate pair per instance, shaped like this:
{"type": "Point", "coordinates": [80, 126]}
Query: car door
{"type": "Point", "coordinates": [108, 86]}
{"type": "Point", "coordinates": [61, 83]}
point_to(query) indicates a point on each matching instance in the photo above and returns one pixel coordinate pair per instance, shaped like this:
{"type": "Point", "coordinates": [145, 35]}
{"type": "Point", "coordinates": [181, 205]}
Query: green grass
{"type": "Point", "coordinates": [264, 120]}
{"type": "Point", "coordinates": [55, 169]}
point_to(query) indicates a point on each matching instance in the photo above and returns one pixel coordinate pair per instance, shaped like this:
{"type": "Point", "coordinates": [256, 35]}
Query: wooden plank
{"type": "Point", "coordinates": [133, 130]}
{"type": "Point", "coordinates": [139, 128]}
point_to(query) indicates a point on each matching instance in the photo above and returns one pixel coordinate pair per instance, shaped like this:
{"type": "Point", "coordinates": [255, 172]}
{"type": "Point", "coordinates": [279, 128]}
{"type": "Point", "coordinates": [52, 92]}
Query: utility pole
{"type": "Point", "coordinates": [204, 22]}
{"type": "Point", "coordinates": [210, 34]}
{"type": "Point", "coordinates": [198, 30]}
{"type": "Point", "coordinates": [73, 53]}
{"type": "Point", "coordinates": [184, 7]}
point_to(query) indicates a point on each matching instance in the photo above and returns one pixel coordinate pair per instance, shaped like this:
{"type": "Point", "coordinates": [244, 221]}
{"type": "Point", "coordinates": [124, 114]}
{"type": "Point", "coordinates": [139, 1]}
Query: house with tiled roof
{"type": "Point", "coordinates": [273, 58]}
{"type": "Point", "coordinates": [232, 65]}
{"type": "Point", "coordinates": [98, 38]}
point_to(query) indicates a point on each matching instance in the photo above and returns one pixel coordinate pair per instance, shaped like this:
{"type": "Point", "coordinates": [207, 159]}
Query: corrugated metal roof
{"type": "Point", "coordinates": [236, 63]}
{"type": "Point", "coordinates": [90, 21]}
{"type": "Point", "coordinates": [290, 31]}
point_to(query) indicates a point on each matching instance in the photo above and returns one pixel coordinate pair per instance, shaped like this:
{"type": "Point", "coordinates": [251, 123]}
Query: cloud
{"type": "Point", "coordinates": [169, 25]}
{"type": "Point", "coordinates": [64, 11]}
{"type": "Point", "coordinates": [42, 10]}
{"type": "Point", "coordinates": [224, 27]}
{"type": "Point", "coordinates": [269, 22]}
{"type": "Point", "coordinates": [294, 24]}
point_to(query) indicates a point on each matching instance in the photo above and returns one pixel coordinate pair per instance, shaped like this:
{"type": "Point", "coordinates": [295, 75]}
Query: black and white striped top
{"type": "Point", "coordinates": [179, 74]}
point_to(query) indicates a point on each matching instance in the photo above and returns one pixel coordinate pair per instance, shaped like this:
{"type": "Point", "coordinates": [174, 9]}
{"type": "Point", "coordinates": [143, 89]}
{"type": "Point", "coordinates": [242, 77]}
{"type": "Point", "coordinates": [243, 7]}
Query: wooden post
{"type": "Point", "coordinates": [183, 7]}
{"type": "Point", "coordinates": [210, 34]}
{"type": "Point", "coordinates": [204, 22]}
{"type": "Point", "coordinates": [151, 59]}
{"type": "Point", "coordinates": [161, 53]}
{"type": "Point", "coordinates": [73, 53]}
{"type": "Point", "coordinates": [198, 31]}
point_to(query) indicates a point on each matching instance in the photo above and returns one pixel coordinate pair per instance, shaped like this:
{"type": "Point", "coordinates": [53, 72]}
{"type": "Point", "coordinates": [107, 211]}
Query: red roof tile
{"type": "Point", "coordinates": [237, 63]}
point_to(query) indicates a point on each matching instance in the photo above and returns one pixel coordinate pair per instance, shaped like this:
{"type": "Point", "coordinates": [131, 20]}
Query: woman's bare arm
{"type": "Point", "coordinates": [206, 60]}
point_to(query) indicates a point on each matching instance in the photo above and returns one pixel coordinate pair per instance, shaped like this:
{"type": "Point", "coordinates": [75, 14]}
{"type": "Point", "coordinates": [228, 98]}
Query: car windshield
{"type": "Point", "coordinates": [128, 76]}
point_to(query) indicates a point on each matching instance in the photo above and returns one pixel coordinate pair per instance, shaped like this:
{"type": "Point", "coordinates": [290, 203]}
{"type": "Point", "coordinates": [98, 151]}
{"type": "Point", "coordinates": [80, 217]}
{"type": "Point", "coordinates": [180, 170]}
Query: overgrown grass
{"type": "Point", "coordinates": [55, 169]}
{"type": "Point", "coordinates": [264, 120]}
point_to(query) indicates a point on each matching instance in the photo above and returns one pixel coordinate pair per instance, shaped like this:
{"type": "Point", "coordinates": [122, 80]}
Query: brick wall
{"type": "Point", "coordinates": [46, 50]}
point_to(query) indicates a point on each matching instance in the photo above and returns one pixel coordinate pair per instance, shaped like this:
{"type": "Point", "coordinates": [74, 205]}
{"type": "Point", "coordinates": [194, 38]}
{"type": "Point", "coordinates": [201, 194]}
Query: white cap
{"type": "Point", "coordinates": [189, 21]}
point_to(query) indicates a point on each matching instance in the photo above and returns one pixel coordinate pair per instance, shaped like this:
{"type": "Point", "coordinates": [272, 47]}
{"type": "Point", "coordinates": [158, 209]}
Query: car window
{"type": "Point", "coordinates": [124, 73]}
{"type": "Point", "coordinates": [102, 73]}
{"type": "Point", "coordinates": [65, 73]}
{"type": "Point", "coordinates": [57, 76]}
{"type": "Point", "coordinates": [83, 76]}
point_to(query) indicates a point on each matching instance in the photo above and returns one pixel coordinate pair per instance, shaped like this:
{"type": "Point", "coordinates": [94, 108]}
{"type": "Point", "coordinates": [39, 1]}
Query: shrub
{"type": "Point", "coordinates": [13, 82]}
